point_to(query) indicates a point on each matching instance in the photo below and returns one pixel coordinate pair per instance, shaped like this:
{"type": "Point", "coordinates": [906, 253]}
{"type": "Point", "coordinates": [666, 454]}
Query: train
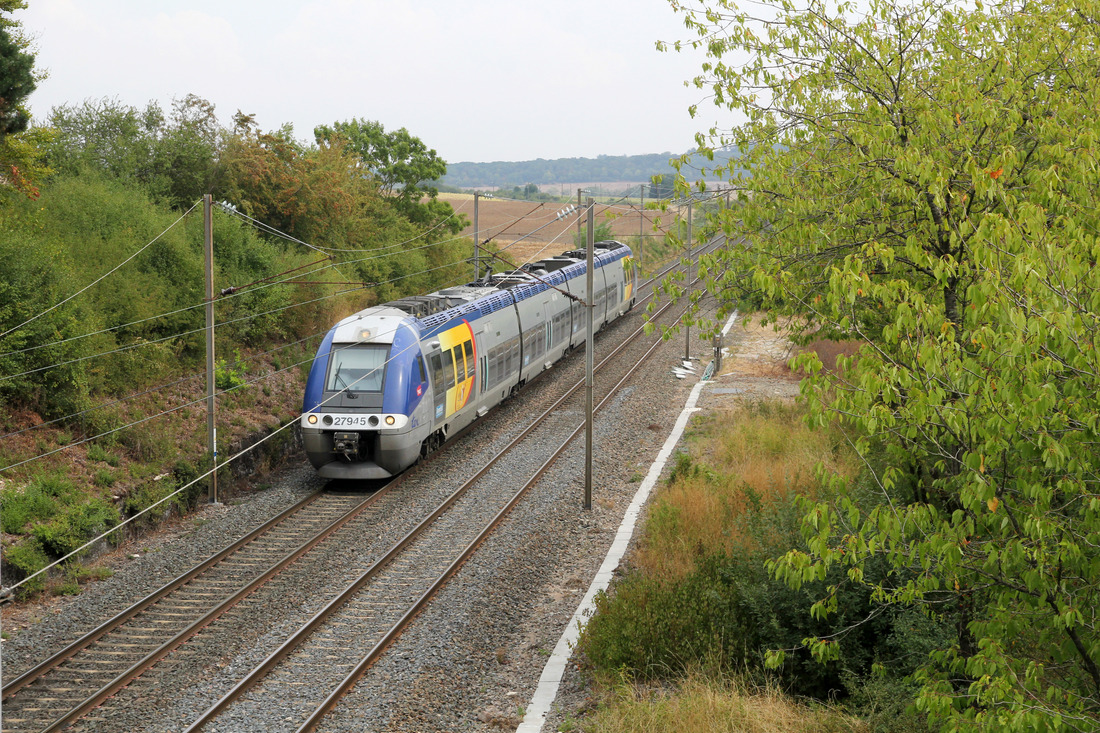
{"type": "Point", "coordinates": [391, 383]}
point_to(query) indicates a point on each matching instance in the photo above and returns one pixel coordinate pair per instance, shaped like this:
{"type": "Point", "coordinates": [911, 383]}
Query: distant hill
{"type": "Point", "coordinates": [541, 172]}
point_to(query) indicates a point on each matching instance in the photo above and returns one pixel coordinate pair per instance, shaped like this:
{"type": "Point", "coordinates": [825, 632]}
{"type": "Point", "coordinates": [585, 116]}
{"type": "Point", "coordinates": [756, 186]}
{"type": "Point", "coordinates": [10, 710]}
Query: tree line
{"type": "Point", "coordinates": [540, 172]}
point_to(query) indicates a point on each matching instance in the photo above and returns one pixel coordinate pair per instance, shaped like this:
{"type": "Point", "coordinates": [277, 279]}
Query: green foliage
{"type": "Point", "coordinates": [401, 164]}
{"type": "Point", "coordinates": [27, 558]}
{"type": "Point", "coordinates": [74, 525]}
{"type": "Point", "coordinates": [731, 609]}
{"type": "Point", "coordinates": [50, 250]}
{"type": "Point", "coordinates": [171, 157]}
{"type": "Point", "coordinates": [16, 84]}
{"type": "Point", "coordinates": [944, 213]}
{"type": "Point", "coordinates": [67, 587]}
{"type": "Point", "coordinates": [40, 500]}
{"type": "Point", "coordinates": [148, 494]}
{"type": "Point", "coordinates": [147, 442]}
{"type": "Point", "coordinates": [96, 452]}
{"type": "Point", "coordinates": [32, 274]}
{"type": "Point", "coordinates": [229, 375]}
{"type": "Point", "coordinates": [21, 165]}
{"type": "Point", "coordinates": [602, 231]}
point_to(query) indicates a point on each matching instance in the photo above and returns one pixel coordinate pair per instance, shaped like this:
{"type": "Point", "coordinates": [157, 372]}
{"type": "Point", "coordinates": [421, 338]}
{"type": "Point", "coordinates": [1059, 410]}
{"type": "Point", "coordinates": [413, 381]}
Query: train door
{"type": "Point", "coordinates": [482, 376]}
{"type": "Point", "coordinates": [439, 385]}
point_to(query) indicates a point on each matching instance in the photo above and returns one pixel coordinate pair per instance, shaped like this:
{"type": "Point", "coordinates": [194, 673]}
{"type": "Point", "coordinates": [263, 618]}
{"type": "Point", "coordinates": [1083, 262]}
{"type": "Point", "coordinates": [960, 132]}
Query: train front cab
{"type": "Point", "coordinates": [366, 408]}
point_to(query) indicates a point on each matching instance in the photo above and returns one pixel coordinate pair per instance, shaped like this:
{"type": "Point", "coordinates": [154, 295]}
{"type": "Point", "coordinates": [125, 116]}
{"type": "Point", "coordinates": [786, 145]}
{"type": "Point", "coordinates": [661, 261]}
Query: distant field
{"type": "Point", "coordinates": [508, 221]}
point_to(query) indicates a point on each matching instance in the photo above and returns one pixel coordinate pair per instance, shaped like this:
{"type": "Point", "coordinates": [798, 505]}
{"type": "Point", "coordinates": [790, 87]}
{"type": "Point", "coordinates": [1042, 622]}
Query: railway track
{"type": "Point", "coordinates": [373, 610]}
{"type": "Point", "coordinates": [86, 673]}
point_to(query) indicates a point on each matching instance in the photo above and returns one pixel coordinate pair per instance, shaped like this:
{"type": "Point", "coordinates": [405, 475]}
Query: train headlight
{"type": "Point", "coordinates": [312, 419]}
{"type": "Point", "coordinates": [390, 420]}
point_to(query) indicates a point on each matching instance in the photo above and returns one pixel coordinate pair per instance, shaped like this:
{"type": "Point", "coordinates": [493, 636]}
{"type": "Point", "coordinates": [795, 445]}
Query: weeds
{"type": "Point", "coordinates": [713, 702]}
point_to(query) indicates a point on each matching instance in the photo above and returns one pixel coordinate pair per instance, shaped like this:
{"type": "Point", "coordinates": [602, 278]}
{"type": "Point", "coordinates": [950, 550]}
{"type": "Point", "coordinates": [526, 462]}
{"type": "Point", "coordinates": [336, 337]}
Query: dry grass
{"type": "Point", "coordinates": [702, 704]}
{"type": "Point", "coordinates": [749, 459]}
{"type": "Point", "coordinates": [828, 351]}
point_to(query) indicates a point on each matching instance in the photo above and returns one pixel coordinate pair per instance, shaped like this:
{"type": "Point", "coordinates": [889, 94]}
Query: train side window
{"type": "Point", "coordinates": [460, 366]}
{"type": "Point", "coordinates": [468, 347]}
{"type": "Point", "coordinates": [448, 369]}
{"type": "Point", "coordinates": [420, 374]}
{"type": "Point", "coordinates": [437, 371]}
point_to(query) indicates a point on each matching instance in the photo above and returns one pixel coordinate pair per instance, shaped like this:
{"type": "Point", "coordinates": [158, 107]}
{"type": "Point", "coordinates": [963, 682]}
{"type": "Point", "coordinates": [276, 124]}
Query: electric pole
{"type": "Point", "coordinates": [211, 429]}
{"type": "Point", "coordinates": [477, 236]}
{"type": "Point", "coordinates": [687, 322]}
{"type": "Point", "coordinates": [589, 360]}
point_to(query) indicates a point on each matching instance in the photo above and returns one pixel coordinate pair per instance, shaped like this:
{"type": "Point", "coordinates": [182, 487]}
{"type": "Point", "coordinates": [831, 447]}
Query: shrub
{"type": "Point", "coordinates": [147, 442]}
{"type": "Point", "coordinates": [148, 494]}
{"type": "Point", "coordinates": [229, 375]}
{"type": "Point", "coordinates": [27, 558]}
{"type": "Point", "coordinates": [75, 525]}
{"type": "Point", "coordinates": [38, 501]}
{"type": "Point", "coordinates": [17, 509]}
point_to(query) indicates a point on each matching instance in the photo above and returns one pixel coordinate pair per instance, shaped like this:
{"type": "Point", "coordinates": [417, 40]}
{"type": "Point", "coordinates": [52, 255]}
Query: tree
{"type": "Point", "coordinates": [20, 160]}
{"type": "Point", "coordinates": [172, 156]}
{"type": "Point", "coordinates": [402, 165]}
{"type": "Point", "coordinates": [16, 84]}
{"type": "Point", "coordinates": [922, 179]}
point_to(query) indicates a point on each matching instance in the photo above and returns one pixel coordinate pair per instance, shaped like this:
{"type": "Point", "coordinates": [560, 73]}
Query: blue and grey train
{"type": "Point", "coordinates": [391, 383]}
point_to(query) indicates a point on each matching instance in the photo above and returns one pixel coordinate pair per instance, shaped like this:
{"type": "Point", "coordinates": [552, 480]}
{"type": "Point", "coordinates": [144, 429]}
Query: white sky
{"type": "Point", "coordinates": [474, 79]}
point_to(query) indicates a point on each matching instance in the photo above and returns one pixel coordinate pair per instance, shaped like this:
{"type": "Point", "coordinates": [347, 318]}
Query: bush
{"type": "Point", "coordinates": [40, 500]}
{"type": "Point", "coordinates": [97, 452]}
{"type": "Point", "coordinates": [18, 509]}
{"type": "Point", "coordinates": [27, 558]}
{"type": "Point", "coordinates": [149, 494]}
{"type": "Point", "coordinates": [75, 525]}
{"type": "Point", "coordinates": [230, 375]}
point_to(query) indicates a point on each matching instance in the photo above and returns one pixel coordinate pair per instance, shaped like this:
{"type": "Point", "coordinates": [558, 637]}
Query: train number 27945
{"type": "Point", "coordinates": [343, 420]}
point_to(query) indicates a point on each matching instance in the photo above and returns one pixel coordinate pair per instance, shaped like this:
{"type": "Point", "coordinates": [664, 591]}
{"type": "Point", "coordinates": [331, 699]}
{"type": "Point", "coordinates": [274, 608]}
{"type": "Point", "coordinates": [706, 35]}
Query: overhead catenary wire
{"type": "Point", "coordinates": [321, 248]}
{"type": "Point", "coordinates": [196, 330]}
{"type": "Point", "coordinates": [161, 387]}
{"type": "Point", "coordinates": [101, 277]}
{"type": "Point", "coordinates": [237, 291]}
{"type": "Point", "coordinates": [142, 320]}
{"type": "Point", "coordinates": [203, 399]}
{"type": "Point", "coordinates": [197, 401]}
{"type": "Point", "coordinates": [205, 475]}
{"type": "Point", "coordinates": [280, 309]}
{"type": "Point", "coordinates": [147, 418]}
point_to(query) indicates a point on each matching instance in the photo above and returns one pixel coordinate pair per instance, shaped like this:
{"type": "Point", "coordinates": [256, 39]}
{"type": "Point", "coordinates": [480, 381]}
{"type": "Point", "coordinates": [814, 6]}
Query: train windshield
{"type": "Point", "coordinates": [357, 368]}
